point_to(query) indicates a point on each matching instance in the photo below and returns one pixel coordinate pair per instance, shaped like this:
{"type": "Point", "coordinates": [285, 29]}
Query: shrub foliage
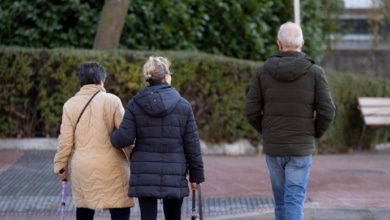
{"type": "Point", "coordinates": [37, 82]}
{"type": "Point", "coordinates": [244, 29]}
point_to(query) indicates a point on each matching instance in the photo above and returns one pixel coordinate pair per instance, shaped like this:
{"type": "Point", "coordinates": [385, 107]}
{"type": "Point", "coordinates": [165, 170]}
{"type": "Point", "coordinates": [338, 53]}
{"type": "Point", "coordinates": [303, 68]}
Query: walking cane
{"type": "Point", "coordinates": [63, 197]}
{"type": "Point", "coordinates": [193, 216]}
{"type": "Point", "coordinates": [200, 209]}
{"type": "Point", "coordinates": [200, 203]}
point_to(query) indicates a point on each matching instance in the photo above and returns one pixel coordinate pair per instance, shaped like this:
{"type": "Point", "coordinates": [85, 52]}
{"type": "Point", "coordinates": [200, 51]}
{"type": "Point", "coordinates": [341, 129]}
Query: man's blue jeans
{"type": "Point", "coordinates": [289, 179]}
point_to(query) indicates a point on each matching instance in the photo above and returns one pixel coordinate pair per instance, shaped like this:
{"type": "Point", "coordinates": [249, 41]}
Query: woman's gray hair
{"type": "Point", "coordinates": [290, 35]}
{"type": "Point", "coordinates": [155, 69]}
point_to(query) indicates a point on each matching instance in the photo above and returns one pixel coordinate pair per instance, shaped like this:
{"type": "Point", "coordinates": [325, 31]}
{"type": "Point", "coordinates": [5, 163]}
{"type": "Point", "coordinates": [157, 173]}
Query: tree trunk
{"type": "Point", "coordinates": [112, 20]}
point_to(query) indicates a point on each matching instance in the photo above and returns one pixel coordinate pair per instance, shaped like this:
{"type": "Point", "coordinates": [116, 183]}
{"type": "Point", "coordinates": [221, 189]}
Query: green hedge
{"type": "Point", "coordinates": [346, 129]}
{"type": "Point", "coordinates": [36, 83]}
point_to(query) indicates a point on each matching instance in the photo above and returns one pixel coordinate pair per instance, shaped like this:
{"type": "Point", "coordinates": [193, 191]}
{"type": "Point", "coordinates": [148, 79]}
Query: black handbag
{"type": "Point", "coordinates": [194, 215]}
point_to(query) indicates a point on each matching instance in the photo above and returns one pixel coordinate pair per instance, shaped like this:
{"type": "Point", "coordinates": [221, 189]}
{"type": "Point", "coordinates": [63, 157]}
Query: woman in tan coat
{"type": "Point", "coordinates": [99, 172]}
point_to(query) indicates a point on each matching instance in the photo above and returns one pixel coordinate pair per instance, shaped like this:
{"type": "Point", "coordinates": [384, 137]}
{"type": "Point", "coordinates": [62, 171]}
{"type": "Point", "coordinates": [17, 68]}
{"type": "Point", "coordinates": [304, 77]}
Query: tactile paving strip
{"type": "Point", "coordinates": [29, 188]}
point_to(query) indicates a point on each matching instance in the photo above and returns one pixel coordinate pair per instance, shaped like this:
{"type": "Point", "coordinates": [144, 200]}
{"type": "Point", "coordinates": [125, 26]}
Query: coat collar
{"type": "Point", "coordinates": [90, 89]}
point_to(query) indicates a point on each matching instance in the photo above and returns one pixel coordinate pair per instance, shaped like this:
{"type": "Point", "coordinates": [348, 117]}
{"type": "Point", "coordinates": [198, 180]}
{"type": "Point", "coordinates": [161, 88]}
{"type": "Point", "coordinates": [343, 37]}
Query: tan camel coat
{"type": "Point", "coordinates": [99, 173]}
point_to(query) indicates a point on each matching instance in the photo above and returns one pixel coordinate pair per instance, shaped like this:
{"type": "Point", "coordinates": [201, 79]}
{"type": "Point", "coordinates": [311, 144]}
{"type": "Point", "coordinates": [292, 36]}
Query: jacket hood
{"type": "Point", "coordinates": [288, 66]}
{"type": "Point", "coordinates": [158, 100]}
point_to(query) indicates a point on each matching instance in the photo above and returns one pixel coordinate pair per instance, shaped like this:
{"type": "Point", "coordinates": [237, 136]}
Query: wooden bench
{"type": "Point", "coordinates": [375, 112]}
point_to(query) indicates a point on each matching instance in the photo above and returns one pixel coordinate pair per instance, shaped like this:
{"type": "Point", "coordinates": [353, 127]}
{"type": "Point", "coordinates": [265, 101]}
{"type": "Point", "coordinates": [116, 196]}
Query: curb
{"type": "Point", "coordinates": [29, 144]}
{"type": "Point", "coordinates": [310, 214]}
{"type": "Point", "coordinates": [240, 148]}
{"type": "Point", "coordinates": [318, 214]}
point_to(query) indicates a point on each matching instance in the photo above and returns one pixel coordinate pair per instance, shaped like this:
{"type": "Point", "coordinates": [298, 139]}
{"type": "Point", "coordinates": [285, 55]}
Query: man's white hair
{"type": "Point", "coordinates": [290, 35]}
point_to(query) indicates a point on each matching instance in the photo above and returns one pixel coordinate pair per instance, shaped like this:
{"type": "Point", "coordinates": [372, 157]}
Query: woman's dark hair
{"type": "Point", "coordinates": [91, 73]}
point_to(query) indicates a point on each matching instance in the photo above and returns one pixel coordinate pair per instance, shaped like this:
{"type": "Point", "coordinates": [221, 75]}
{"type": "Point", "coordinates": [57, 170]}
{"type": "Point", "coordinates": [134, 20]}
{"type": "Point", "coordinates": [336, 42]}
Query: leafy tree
{"type": "Point", "coordinates": [244, 29]}
{"type": "Point", "coordinates": [378, 20]}
{"type": "Point", "coordinates": [49, 24]}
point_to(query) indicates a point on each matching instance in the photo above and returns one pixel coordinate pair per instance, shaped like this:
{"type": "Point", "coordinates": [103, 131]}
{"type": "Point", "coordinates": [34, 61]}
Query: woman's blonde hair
{"type": "Point", "coordinates": [155, 69]}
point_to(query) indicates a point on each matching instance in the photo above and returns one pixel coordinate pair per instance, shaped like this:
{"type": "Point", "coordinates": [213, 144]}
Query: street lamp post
{"type": "Point", "coordinates": [297, 16]}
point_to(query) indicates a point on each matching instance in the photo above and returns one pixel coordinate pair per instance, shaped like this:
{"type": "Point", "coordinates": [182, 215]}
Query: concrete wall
{"type": "Point", "coordinates": [360, 60]}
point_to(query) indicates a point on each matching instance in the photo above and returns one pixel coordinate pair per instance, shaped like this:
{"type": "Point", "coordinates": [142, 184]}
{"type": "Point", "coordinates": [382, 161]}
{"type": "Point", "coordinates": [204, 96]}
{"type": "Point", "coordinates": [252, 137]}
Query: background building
{"type": "Point", "coordinates": [364, 22]}
{"type": "Point", "coordinates": [362, 44]}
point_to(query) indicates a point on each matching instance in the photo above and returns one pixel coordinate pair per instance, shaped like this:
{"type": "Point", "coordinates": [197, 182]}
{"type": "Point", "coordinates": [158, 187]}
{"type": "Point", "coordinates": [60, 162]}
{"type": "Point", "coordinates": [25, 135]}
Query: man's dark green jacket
{"type": "Point", "coordinates": [289, 103]}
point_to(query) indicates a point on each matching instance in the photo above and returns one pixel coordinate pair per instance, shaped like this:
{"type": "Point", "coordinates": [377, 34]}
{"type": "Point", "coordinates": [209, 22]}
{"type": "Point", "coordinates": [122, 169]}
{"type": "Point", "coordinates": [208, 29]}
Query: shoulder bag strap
{"type": "Point", "coordinates": [85, 108]}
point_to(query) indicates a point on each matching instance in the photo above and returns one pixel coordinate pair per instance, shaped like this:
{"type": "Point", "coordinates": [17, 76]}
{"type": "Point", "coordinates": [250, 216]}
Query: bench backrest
{"type": "Point", "coordinates": [375, 111]}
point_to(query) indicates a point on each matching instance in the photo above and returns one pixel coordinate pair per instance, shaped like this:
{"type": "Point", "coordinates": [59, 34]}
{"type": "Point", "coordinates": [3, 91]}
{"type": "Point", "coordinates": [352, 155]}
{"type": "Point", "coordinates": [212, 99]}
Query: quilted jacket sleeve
{"type": "Point", "coordinates": [118, 112]}
{"type": "Point", "coordinates": [254, 104]}
{"type": "Point", "coordinates": [192, 150]}
{"type": "Point", "coordinates": [124, 136]}
{"type": "Point", "coordinates": [65, 142]}
{"type": "Point", "coordinates": [324, 106]}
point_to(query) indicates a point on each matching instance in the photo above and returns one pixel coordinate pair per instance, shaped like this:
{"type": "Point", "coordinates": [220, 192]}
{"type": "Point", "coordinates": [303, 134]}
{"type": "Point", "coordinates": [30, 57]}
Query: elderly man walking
{"type": "Point", "coordinates": [289, 103]}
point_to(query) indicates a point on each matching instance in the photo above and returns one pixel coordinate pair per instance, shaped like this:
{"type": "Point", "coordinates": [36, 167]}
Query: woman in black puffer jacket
{"type": "Point", "coordinates": [161, 125]}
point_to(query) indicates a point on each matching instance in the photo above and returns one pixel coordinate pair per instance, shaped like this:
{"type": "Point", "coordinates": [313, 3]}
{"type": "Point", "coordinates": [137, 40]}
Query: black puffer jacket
{"type": "Point", "coordinates": [290, 104]}
{"type": "Point", "coordinates": [167, 146]}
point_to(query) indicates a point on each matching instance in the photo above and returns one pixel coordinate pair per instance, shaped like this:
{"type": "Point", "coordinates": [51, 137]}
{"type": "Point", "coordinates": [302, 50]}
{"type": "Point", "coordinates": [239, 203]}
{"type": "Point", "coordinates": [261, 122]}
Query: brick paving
{"type": "Point", "coordinates": [356, 180]}
{"type": "Point", "coordinates": [348, 180]}
{"type": "Point", "coordinates": [29, 188]}
{"type": "Point", "coordinates": [234, 184]}
{"type": "Point", "coordinates": [7, 158]}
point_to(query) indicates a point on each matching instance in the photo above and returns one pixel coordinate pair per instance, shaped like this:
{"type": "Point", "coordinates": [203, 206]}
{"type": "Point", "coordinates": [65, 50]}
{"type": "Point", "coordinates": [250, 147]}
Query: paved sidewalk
{"type": "Point", "coordinates": [345, 187]}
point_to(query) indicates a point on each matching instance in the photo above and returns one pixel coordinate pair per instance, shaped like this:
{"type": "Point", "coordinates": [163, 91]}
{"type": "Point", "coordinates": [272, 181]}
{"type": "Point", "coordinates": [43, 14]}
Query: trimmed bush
{"type": "Point", "coordinates": [37, 82]}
